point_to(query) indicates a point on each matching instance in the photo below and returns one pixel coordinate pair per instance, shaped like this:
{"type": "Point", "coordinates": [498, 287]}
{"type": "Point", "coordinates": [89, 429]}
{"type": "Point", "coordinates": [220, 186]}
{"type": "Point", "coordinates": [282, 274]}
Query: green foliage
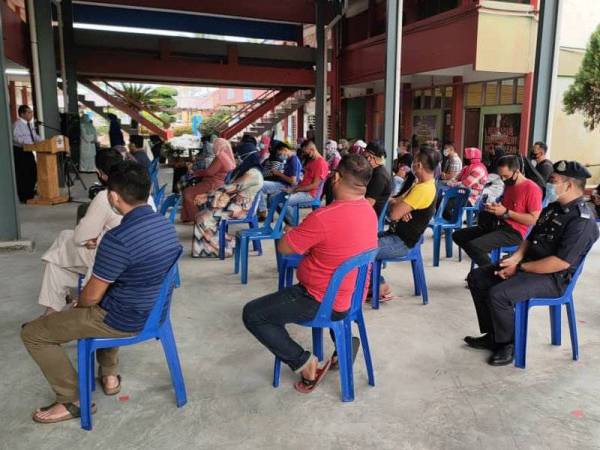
{"type": "Point", "coordinates": [211, 124]}
{"type": "Point", "coordinates": [584, 94]}
{"type": "Point", "coordinates": [158, 100]}
{"type": "Point", "coordinates": [182, 130]}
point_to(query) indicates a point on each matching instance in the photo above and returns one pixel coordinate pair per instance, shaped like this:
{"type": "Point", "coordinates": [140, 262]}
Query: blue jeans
{"type": "Point", "coordinates": [296, 199]}
{"type": "Point", "coordinates": [267, 316]}
{"type": "Point", "coordinates": [270, 188]}
{"type": "Point", "coordinates": [390, 246]}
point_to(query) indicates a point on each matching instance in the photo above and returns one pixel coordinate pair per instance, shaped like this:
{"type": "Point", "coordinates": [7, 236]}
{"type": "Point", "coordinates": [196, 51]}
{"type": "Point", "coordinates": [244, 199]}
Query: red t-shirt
{"type": "Point", "coordinates": [525, 197]}
{"type": "Point", "coordinates": [327, 239]}
{"type": "Point", "coordinates": [314, 168]}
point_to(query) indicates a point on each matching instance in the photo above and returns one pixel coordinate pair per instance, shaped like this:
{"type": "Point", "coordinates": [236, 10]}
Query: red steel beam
{"type": "Point", "coordinates": [124, 107]}
{"type": "Point", "coordinates": [260, 111]}
{"type": "Point", "coordinates": [293, 11]}
{"type": "Point", "coordinates": [112, 64]}
{"type": "Point", "coordinates": [15, 36]}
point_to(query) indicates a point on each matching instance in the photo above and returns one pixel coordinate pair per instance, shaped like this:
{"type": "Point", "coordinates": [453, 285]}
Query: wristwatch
{"type": "Point", "coordinates": [506, 216]}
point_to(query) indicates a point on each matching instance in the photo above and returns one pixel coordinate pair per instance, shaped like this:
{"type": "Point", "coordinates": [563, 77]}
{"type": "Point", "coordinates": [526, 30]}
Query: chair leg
{"type": "Point", "coordinates": [345, 368]}
{"type": "Point", "coordinates": [296, 215]}
{"type": "Point", "coordinates": [177, 277]}
{"type": "Point", "coordinates": [555, 319]}
{"type": "Point", "coordinates": [92, 371]}
{"type": "Point", "coordinates": [375, 284]}
{"type": "Point", "coordinates": [317, 338]}
{"type": "Point", "coordinates": [276, 372]}
{"type": "Point", "coordinates": [415, 274]}
{"type": "Point", "coordinates": [423, 281]}
{"type": "Point", "coordinates": [437, 237]}
{"type": "Point", "coordinates": [289, 277]}
{"type": "Point", "coordinates": [281, 276]}
{"type": "Point", "coordinates": [222, 239]}
{"type": "Point", "coordinates": [255, 243]}
{"type": "Point", "coordinates": [573, 329]}
{"type": "Point", "coordinates": [521, 319]}
{"type": "Point", "coordinates": [236, 255]}
{"type": "Point", "coordinates": [170, 348]}
{"type": "Point", "coordinates": [244, 244]}
{"type": "Point", "coordinates": [364, 341]}
{"type": "Point", "coordinates": [448, 237]}
{"type": "Point", "coordinates": [85, 394]}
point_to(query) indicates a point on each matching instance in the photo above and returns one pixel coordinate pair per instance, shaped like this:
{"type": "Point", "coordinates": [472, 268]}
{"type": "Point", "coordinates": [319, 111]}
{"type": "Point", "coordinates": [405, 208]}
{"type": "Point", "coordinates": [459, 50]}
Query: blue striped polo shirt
{"type": "Point", "coordinates": [134, 258]}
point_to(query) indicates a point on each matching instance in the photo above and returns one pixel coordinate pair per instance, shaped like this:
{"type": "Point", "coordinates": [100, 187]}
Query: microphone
{"type": "Point", "coordinates": [39, 122]}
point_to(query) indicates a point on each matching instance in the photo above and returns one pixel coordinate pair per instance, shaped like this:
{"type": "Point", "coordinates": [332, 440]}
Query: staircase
{"type": "Point", "coordinates": [90, 104]}
{"type": "Point", "coordinates": [266, 114]}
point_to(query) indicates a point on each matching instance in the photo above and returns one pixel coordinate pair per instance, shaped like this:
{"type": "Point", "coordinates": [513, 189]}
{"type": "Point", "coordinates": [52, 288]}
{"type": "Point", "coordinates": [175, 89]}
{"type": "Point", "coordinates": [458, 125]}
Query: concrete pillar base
{"type": "Point", "coordinates": [17, 246]}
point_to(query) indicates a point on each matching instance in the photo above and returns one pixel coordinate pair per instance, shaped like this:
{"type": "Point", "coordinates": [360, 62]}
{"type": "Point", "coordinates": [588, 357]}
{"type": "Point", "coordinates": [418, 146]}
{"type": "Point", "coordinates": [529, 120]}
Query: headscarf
{"type": "Point", "coordinates": [473, 154]}
{"type": "Point", "coordinates": [332, 155]}
{"type": "Point", "coordinates": [223, 152]}
{"type": "Point", "coordinates": [248, 153]}
{"type": "Point", "coordinates": [358, 147]}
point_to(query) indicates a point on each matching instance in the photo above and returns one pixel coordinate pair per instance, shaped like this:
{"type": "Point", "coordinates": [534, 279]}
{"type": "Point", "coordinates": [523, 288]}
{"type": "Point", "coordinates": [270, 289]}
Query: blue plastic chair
{"type": "Point", "coordinates": [314, 204]}
{"type": "Point", "coordinates": [158, 195]}
{"type": "Point", "coordinates": [382, 216]}
{"type": "Point", "coordinates": [271, 230]}
{"type": "Point", "coordinates": [251, 219]}
{"type": "Point", "coordinates": [153, 173]}
{"type": "Point", "coordinates": [342, 329]}
{"type": "Point", "coordinates": [155, 328]}
{"type": "Point", "coordinates": [418, 270]}
{"type": "Point", "coordinates": [439, 224]}
{"type": "Point", "coordinates": [171, 205]}
{"type": "Point", "coordinates": [522, 318]}
{"type": "Point", "coordinates": [228, 177]}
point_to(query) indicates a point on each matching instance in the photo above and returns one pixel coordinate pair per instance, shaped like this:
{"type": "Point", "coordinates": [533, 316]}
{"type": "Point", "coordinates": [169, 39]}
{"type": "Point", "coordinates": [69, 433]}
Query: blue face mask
{"type": "Point", "coordinates": [550, 193]}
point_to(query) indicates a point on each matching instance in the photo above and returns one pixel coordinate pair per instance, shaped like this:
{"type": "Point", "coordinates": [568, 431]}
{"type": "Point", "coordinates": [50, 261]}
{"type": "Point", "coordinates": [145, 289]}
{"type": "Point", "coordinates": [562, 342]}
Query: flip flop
{"type": "Point", "coordinates": [355, 347]}
{"type": "Point", "coordinates": [111, 391]}
{"type": "Point", "coordinates": [305, 386]}
{"type": "Point", "coordinates": [74, 412]}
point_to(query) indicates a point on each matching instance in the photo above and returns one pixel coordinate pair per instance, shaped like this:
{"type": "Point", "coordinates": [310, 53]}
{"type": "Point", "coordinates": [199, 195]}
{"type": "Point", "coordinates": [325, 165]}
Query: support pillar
{"type": "Point", "coordinates": [68, 57]}
{"type": "Point", "coordinates": [321, 76]}
{"type": "Point", "coordinates": [546, 66]}
{"type": "Point", "coordinates": [369, 116]}
{"type": "Point", "coordinates": [458, 97]}
{"type": "Point", "coordinates": [46, 97]}
{"type": "Point", "coordinates": [9, 220]}
{"type": "Point", "coordinates": [12, 100]}
{"type": "Point", "coordinates": [299, 123]}
{"type": "Point", "coordinates": [335, 90]}
{"type": "Point", "coordinates": [24, 96]}
{"type": "Point", "coordinates": [526, 114]}
{"type": "Point", "coordinates": [393, 51]}
{"type": "Point", "coordinates": [407, 102]}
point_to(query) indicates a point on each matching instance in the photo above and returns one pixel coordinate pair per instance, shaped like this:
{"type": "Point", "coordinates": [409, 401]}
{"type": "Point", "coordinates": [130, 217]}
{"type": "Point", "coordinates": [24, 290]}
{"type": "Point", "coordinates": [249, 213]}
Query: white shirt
{"type": "Point", "coordinates": [21, 134]}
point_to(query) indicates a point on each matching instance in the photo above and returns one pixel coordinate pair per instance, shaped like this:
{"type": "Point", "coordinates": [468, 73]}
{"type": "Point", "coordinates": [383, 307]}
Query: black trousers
{"type": "Point", "coordinates": [477, 242]}
{"type": "Point", "coordinates": [495, 298]}
{"type": "Point", "coordinates": [25, 173]}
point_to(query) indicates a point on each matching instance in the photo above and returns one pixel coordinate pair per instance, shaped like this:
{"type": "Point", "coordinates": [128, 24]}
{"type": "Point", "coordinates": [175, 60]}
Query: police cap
{"type": "Point", "coordinates": [571, 169]}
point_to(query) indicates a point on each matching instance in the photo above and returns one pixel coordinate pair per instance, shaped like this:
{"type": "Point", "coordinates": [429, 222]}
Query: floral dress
{"type": "Point", "coordinates": [231, 201]}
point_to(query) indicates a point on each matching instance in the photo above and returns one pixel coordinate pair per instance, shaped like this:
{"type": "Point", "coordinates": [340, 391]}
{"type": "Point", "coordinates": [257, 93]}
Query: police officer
{"type": "Point", "coordinates": [541, 267]}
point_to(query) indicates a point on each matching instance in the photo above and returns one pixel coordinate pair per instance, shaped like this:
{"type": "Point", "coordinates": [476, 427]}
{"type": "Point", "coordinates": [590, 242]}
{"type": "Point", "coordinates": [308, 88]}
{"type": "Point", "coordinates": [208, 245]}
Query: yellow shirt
{"type": "Point", "coordinates": [420, 195]}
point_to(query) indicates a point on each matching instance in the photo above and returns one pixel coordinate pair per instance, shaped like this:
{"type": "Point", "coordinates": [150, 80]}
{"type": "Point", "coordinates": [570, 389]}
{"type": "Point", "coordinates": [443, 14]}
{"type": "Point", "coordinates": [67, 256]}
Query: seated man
{"type": "Point", "coordinates": [315, 173]}
{"type": "Point", "coordinates": [541, 267]}
{"type": "Point", "coordinates": [505, 223]}
{"type": "Point", "coordinates": [380, 186]}
{"type": "Point", "coordinates": [286, 179]}
{"type": "Point", "coordinates": [453, 165]}
{"type": "Point", "coordinates": [326, 240]}
{"type": "Point", "coordinates": [131, 263]}
{"type": "Point", "coordinates": [137, 150]}
{"type": "Point", "coordinates": [410, 212]}
{"type": "Point", "coordinates": [543, 164]}
{"type": "Point", "coordinates": [72, 253]}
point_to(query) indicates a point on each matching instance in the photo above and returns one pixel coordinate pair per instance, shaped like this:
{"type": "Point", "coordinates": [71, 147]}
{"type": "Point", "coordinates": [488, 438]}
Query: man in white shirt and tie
{"type": "Point", "coordinates": [25, 168]}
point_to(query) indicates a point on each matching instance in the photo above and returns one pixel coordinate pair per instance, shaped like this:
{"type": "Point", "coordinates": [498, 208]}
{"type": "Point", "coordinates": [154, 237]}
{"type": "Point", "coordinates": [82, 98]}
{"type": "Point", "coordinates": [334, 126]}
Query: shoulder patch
{"type": "Point", "coordinates": [584, 211]}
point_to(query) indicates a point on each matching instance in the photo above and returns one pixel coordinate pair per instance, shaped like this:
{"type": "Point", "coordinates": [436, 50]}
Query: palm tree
{"type": "Point", "coordinates": [137, 95]}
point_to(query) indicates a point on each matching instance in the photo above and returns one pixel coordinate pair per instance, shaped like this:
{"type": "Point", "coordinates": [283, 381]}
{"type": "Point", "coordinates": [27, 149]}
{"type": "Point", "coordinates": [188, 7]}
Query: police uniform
{"type": "Point", "coordinates": [566, 231]}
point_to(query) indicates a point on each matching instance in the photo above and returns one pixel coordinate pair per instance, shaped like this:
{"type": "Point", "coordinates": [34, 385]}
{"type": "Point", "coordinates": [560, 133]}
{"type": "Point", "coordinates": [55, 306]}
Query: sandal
{"type": "Point", "coordinates": [306, 386]}
{"type": "Point", "coordinates": [355, 347]}
{"type": "Point", "coordinates": [73, 412]}
{"type": "Point", "coordinates": [111, 391]}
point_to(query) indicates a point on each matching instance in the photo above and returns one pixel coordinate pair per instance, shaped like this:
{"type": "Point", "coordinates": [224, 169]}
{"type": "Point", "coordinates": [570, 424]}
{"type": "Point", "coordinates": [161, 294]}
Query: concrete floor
{"type": "Point", "coordinates": [431, 391]}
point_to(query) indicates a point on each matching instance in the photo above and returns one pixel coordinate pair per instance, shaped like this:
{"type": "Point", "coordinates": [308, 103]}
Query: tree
{"type": "Point", "coordinates": [157, 100]}
{"type": "Point", "coordinates": [211, 124]}
{"type": "Point", "coordinates": [584, 94]}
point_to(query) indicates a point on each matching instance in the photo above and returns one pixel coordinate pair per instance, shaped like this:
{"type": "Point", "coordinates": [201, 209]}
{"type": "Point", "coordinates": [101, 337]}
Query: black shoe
{"type": "Point", "coordinates": [503, 356]}
{"type": "Point", "coordinates": [484, 342]}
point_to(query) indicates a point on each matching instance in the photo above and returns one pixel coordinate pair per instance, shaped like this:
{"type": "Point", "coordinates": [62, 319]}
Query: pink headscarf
{"type": "Point", "coordinates": [222, 150]}
{"type": "Point", "coordinates": [473, 154]}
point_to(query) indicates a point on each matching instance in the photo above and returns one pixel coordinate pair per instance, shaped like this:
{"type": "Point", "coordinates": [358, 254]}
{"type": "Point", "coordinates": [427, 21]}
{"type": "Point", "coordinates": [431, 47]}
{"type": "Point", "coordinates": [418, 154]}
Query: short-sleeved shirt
{"type": "Point", "coordinates": [314, 168]}
{"type": "Point", "coordinates": [379, 188]}
{"type": "Point", "coordinates": [327, 241]}
{"type": "Point", "coordinates": [292, 168]}
{"type": "Point", "coordinates": [142, 158]}
{"type": "Point", "coordinates": [524, 197]}
{"type": "Point", "coordinates": [545, 169]}
{"type": "Point", "coordinates": [134, 258]}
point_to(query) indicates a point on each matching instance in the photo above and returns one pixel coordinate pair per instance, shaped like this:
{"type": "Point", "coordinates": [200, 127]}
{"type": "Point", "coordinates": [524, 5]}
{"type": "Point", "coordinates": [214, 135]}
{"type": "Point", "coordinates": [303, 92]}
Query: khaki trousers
{"type": "Point", "coordinates": [43, 338]}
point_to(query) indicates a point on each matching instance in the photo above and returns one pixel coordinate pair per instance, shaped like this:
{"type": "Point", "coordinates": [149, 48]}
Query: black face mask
{"type": "Point", "coordinates": [511, 181]}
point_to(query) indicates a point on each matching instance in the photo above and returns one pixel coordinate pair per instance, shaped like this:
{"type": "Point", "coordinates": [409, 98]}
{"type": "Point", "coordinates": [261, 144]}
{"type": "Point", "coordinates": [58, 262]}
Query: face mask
{"type": "Point", "coordinates": [511, 181]}
{"type": "Point", "coordinates": [282, 158]}
{"type": "Point", "coordinates": [446, 152]}
{"type": "Point", "coordinates": [551, 193]}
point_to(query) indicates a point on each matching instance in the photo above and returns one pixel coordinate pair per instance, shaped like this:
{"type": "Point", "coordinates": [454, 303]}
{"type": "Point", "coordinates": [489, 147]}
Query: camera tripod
{"type": "Point", "coordinates": [72, 174]}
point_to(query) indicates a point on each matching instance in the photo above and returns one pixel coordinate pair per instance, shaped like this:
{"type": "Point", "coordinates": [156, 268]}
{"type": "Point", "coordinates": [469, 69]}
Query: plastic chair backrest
{"type": "Point", "coordinates": [158, 196]}
{"type": "Point", "coordinates": [320, 190]}
{"type": "Point", "coordinates": [169, 202]}
{"type": "Point", "coordinates": [461, 194]}
{"type": "Point", "coordinates": [254, 207]}
{"type": "Point", "coordinates": [481, 201]}
{"type": "Point", "coordinates": [382, 215]}
{"type": "Point", "coordinates": [278, 202]}
{"type": "Point", "coordinates": [228, 177]}
{"type": "Point", "coordinates": [153, 168]}
{"type": "Point", "coordinates": [362, 262]}
{"type": "Point", "coordinates": [164, 298]}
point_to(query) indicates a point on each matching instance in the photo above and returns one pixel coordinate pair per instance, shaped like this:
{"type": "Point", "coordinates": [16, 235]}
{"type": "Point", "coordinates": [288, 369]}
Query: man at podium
{"type": "Point", "coordinates": [25, 167]}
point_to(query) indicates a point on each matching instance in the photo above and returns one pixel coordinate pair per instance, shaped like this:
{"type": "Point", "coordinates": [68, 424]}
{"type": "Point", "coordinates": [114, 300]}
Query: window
{"type": "Point", "coordinates": [520, 91]}
{"type": "Point", "coordinates": [474, 94]}
{"type": "Point", "coordinates": [491, 93]}
{"type": "Point", "coordinates": [507, 92]}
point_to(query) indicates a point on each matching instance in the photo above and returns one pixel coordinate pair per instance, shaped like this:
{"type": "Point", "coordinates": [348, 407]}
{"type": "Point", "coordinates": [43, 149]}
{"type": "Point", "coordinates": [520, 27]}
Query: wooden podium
{"type": "Point", "coordinates": [47, 170]}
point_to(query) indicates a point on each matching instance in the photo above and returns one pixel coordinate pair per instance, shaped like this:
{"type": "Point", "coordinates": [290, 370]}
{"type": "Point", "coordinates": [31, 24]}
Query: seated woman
{"type": "Point", "coordinates": [332, 155]}
{"type": "Point", "coordinates": [213, 177]}
{"type": "Point", "coordinates": [231, 201]}
{"type": "Point", "coordinates": [474, 175]}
